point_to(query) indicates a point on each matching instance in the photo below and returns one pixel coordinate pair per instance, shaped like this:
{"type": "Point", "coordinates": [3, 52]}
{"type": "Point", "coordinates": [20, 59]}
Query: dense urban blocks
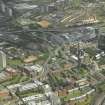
{"type": "Point", "coordinates": [52, 52]}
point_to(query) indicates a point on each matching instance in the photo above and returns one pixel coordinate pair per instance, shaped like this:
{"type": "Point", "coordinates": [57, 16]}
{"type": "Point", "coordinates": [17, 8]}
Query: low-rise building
{"type": "Point", "coordinates": [33, 98]}
{"type": "Point", "coordinates": [46, 102]}
{"type": "Point", "coordinates": [82, 82]}
{"type": "Point", "coordinates": [13, 87]}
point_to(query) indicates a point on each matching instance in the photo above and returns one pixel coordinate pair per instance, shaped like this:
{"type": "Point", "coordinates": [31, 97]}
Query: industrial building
{"type": "Point", "coordinates": [33, 70]}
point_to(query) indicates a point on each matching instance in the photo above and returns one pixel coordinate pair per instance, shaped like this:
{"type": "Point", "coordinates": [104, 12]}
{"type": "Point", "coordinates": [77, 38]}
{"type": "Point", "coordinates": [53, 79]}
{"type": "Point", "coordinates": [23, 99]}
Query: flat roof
{"type": "Point", "coordinates": [40, 103]}
{"type": "Point", "coordinates": [36, 67]}
{"type": "Point", "coordinates": [27, 87]}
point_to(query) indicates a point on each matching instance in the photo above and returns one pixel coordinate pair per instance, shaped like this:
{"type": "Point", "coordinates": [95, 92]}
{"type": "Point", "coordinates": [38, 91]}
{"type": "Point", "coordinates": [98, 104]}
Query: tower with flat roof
{"type": "Point", "coordinates": [2, 60]}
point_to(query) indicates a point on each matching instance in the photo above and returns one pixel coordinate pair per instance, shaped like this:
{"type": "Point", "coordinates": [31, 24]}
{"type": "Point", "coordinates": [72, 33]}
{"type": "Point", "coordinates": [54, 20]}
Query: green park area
{"type": "Point", "coordinates": [76, 93]}
{"type": "Point", "coordinates": [14, 62]}
{"type": "Point", "coordinates": [14, 80]}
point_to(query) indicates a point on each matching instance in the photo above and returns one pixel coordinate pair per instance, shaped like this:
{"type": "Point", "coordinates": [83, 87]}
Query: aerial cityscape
{"type": "Point", "coordinates": [52, 52]}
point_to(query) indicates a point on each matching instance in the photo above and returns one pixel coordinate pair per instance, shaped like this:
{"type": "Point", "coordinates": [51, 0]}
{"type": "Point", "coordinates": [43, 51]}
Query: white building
{"type": "Point", "coordinates": [39, 103]}
{"type": "Point", "coordinates": [33, 98]}
{"type": "Point", "coordinates": [39, 99]}
{"type": "Point", "coordinates": [28, 86]}
{"type": "Point", "coordinates": [2, 60]}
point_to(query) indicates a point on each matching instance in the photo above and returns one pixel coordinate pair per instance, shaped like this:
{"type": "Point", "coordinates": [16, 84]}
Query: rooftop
{"type": "Point", "coordinates": [32, 98]}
